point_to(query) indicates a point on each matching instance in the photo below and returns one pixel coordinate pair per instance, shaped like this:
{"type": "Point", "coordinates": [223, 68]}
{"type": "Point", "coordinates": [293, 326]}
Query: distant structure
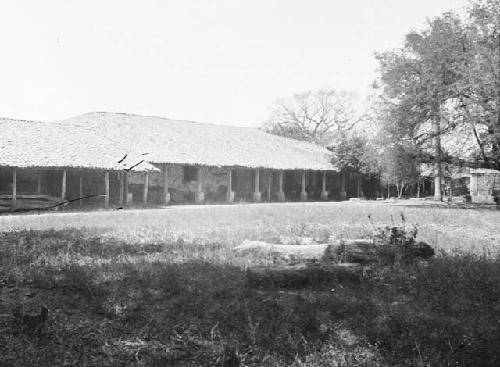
{"type": "Point", "coordinates": [484, 185]}
{"type": "Point", "coordinates": [116, 159]}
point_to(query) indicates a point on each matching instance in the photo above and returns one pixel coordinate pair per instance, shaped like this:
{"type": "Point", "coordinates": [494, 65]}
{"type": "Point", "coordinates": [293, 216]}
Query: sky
{"type": "Point", "coordinates": [218, 61]}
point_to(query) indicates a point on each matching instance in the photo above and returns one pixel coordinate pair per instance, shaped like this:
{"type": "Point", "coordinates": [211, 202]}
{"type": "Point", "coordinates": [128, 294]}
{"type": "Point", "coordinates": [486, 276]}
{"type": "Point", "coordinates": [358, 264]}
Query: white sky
{"type": "Point", "coordinates": [207, 60]}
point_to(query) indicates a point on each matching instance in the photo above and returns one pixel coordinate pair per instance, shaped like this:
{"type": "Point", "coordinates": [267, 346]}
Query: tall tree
{"type": "Point", "coordinates": [320, 116]}
{"type": "Point", "coordinates": [479, 100]}
{"type": "Point", "coordinates": [418, 79]}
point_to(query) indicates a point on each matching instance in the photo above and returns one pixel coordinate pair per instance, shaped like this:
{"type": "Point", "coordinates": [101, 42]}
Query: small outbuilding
{"type": "Point", "coordinates": [484, 185]}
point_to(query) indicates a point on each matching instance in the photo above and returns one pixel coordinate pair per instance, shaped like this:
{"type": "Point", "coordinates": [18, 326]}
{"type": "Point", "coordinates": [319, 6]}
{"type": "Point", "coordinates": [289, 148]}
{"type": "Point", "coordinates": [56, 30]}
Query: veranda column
{"type": "Point", "coordinates": [122, 186]}
{"type": "Point", "coordinates": [14, 188]}
{"type": "Point", "coordinates": [80, 189]}
{"type": "Point", "coordinates": [269, 185]}
{"type": "Point", "coordinates": [256, 194]}
{"type": "Point", "coordinates": [145, 188]}
{"type": "Point", "coordinates": [303, 193]}
{"type": "Point", "coordinates": [166, 194]}
{"type": "Point", "coordinates": [324, 193]}
{"type": "Point", "coordinates": [39, 183]}
{"type": "Point", "coordinates": [343, 193]}
{"type": "Point", "coordinates": [126, 192]}
{"type": "Point", "coordinates": [63, 186]}
{"type": "Point", "coordinates": [199, 195]}
{"type": "Point", "coordinates": [280, 194]}
{"type": "Point", "coordinates": [230, 192]}
{"type": "Point", "coordinates": [106, 189]}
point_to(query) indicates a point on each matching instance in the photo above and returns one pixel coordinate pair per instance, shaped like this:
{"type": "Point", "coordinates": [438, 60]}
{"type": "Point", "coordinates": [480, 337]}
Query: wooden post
{"type": "Point", "coordinates": [106, 190]}
{"type": "Point", "coordinates": [125, 189]}
{"type": "Point", "coordinates": [80, 191]}
{"type": "Point", "coordinates": [63, 186]}
{"type": "Point", "coordinates": [343, 193]}
{"type": "Point", "coordinates": [269, 184]}
{"type": "Point", "coordinates": [324, 193]}
{"type": "Point", "coordinates": [360, 189]}
{"type": "Point", "coordinates": [303, 193]}
{"type": "Point", "coordinates": [38, 183]}
{"type": "Point", "coordinates": [14, 188]}
{"type": "Point", "coordinates": [281, 194]}
{"type": "Point", "coordinates": [145, 188]}
{"type": "Point", "coordinates": [166, 194]}
{"type": "Point", "coordinates": [199, 195]}
{"type": "Point", "coordinates": [256, 193]}
{"type": "Point", "coordinates": [230, 192]}
{"type": "Point", "coordinates": [122, 186]}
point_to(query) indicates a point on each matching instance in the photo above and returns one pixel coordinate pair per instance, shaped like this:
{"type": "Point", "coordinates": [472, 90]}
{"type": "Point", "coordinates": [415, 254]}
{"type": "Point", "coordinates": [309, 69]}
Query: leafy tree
{"type": "Point", "coordinates": [479, 97]}
{"type": "Point", "coordinates": [418, 79]}
{"type": "Point", "coordinates": [356, 154]}
{"type": "Point", "coordinates": [399, 166]}
{"type": "Point", "coordinates": [320, 116]}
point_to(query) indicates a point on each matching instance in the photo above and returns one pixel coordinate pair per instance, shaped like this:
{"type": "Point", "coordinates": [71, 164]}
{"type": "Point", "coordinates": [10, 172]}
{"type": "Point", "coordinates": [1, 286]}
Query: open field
{"type": "Point", "coordinates": [164, 288]}
{"type": "Point", "coordinates": [443, 228]}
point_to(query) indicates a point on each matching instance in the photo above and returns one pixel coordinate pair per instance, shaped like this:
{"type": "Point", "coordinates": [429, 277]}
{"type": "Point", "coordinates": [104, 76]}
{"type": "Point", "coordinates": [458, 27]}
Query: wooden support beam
{"type": "Point", "coordinates": [14, 188]}
{"type": "Point", "coordinates": [106, 190]}
{"type": "Point", "coordinates": [80, 189]}
{"type": "Point", "coordinates": [199, 195]}
{"type": "Point", "coordinates": [303, 193]}
{"type": "Point", "coordinates": [145, 188]}
{"type": "Point", "coordinates": [38, 183]}
{"type": "Point", "coordinates": [230, 192]}
{"type": "Point", "coordinates": [269, 184]}
{"type": "Point", "coordinates": [63, 186]}
{"type": "Point", "coordinates": [280, 194]}
{"type": "Point", "coordinates": [166, 194]}
{"type": "Point", "coordinates": [122, 187]}
{"type": "Point", "coordinates": [343, 193]}
{"type": "Point", "coordinates": [126, 192]}
{"type": "Point", "coordinates": [256, 194]}
{"type": "Point", "coordinates": [324, 193]}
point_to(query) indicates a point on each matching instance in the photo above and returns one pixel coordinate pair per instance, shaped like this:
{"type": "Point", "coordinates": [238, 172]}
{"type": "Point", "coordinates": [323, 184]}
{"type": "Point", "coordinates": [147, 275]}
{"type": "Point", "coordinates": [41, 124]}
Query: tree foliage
{"type": "Point", "coordinates": [453, 63]}
{"type": "Point", "coordinates": [319, 116]}
{"type": "Point", "coordinates": [356, 154]}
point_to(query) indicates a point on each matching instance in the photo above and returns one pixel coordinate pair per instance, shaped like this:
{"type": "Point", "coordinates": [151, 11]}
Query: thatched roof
{"type": "Point", "coordinates": [101, 139]}
{"type": "Point", "coordinates": [193, 143]}
{"type": "Point", "coordinates": [38, 144]}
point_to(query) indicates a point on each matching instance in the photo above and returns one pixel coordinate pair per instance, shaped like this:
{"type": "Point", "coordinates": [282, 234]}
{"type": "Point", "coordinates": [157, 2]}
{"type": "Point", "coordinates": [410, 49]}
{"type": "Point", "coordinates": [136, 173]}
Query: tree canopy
{"type": "Point", "coordinates": [320, 116]}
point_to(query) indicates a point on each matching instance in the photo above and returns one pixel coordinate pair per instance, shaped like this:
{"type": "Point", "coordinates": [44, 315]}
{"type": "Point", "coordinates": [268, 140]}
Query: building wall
{"type": "Point", "coordinates": [182, 190]}
{"type": "Point", "coordinates": [214, 184]}
{"type": "Point", "coordinates": [484, 187]}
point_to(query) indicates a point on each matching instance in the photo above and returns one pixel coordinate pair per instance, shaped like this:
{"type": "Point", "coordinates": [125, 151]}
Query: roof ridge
{"type": "Point", "coordinates": [158, 117]}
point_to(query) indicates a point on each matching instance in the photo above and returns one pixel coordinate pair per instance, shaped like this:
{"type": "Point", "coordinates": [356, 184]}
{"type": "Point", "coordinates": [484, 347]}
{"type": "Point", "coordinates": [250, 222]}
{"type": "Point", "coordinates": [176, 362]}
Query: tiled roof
{"type": "Point", "coordinates": [101, 139]}
{"type": "Point", "coordinates": [47, 145]}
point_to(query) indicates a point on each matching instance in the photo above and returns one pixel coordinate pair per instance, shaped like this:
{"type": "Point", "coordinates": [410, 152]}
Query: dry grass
{"type": "Point", "coordinates": [163, 288]}
{"type": "Point", "coordinates": [448, 229]}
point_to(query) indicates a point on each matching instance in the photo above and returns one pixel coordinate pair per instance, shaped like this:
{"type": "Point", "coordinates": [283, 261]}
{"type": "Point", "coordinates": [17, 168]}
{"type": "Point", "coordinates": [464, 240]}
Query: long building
{"type": "Point", "coordinates": [116, 159]}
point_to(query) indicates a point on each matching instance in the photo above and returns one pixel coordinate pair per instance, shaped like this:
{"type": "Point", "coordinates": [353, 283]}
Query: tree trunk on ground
{"type": "Point", "coordinates": [363, 251]}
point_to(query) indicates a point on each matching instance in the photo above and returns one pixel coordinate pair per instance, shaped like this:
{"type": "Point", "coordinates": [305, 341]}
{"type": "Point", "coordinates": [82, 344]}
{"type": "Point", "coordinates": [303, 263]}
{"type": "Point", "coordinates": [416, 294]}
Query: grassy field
{"type": "Point", "coordinates": [164, 288]}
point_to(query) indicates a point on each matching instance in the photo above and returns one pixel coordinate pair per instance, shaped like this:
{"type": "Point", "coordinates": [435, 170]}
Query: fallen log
{"type": "Point", "coordinates": [361, 251]}
{"type": "Point", "coordinates": [301, 275]}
